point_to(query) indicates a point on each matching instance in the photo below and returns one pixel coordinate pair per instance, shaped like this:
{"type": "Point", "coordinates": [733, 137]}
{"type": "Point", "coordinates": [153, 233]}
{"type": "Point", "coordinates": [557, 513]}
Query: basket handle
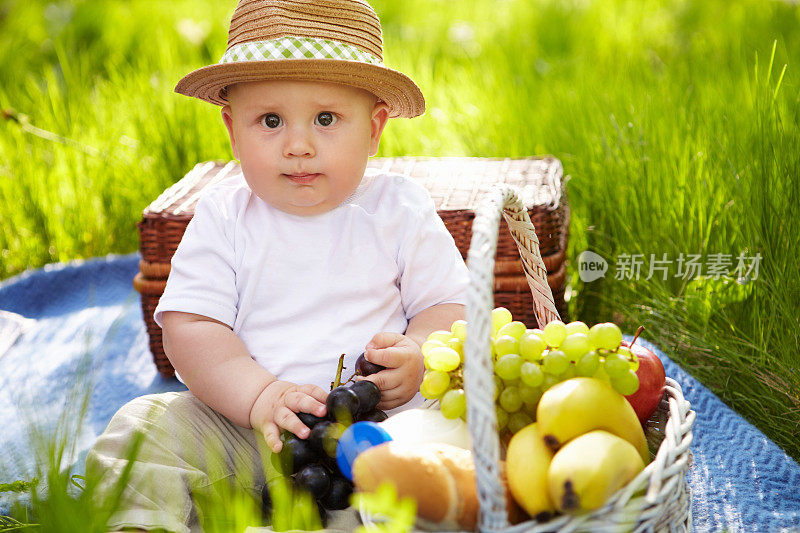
{"type": "Point", "coordinates": [478, 366]}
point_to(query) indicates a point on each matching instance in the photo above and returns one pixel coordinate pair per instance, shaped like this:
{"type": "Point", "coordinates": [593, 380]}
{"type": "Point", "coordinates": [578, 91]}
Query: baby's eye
{"type": "Point", "coordinates": [325, 118]}
{"type": "Point", "coordinates": [271, 120]}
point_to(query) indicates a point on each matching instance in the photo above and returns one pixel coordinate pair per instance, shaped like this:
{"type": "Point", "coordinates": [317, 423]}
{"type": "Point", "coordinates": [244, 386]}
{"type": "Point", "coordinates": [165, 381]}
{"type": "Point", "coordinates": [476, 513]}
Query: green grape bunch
{"type": "Point", "coordinates": [527, 362]}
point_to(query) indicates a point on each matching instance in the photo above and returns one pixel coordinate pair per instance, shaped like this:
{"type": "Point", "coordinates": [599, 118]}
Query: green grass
{"type": "Point", "coordinates": [674, 120]}
{"type": "Point", "coordinates": [57, 499]}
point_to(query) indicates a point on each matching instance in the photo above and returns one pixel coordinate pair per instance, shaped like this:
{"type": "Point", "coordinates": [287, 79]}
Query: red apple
{"type": "Point", "coordinates": [651, 382]}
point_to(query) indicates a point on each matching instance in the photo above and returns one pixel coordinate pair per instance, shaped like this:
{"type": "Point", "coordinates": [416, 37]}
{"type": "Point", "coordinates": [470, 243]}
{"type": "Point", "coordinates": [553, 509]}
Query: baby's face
{"type": "Point", "coordinates": [303, 146]}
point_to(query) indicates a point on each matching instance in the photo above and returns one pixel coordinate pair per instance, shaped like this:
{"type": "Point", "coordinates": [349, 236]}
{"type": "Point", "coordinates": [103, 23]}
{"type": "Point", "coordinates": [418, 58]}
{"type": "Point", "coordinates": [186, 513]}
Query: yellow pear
{"type": "Point", "coordinates": [589, 469]}
{"type": "Point", "coordinates": [580, 405]}
{"type": "Point", "coordinates": [527, 462]}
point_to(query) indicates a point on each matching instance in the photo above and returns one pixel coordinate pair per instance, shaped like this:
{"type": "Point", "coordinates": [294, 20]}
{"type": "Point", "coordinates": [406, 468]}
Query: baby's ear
{"type": "Point", "coordinates": [380, 114]}
{"type": "Point", "coordinates": [227, 117]}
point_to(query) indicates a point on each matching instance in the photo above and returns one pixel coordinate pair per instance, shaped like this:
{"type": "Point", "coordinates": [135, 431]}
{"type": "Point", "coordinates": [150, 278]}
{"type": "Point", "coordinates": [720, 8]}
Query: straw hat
{"type": "Point", "coordinates": [335, 41]}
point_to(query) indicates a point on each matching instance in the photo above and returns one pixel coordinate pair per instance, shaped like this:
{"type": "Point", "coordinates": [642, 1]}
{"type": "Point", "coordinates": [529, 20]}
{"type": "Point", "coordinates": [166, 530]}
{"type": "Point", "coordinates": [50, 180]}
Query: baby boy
{"type": "Point", "coordinates": [304, 257]}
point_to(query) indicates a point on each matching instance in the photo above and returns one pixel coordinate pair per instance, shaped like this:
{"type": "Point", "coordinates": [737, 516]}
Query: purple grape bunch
{"type": "Point", "coordinates": [311, 462]}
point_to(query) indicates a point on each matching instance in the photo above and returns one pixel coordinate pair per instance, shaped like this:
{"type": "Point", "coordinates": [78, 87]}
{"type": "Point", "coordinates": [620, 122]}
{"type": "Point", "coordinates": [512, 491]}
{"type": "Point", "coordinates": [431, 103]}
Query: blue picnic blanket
{"type": "Point", "coordinates": [71, 328]}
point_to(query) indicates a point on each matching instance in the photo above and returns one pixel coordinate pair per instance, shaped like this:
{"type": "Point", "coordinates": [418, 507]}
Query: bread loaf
{"type": "Point", "coordinates": [440, 477]}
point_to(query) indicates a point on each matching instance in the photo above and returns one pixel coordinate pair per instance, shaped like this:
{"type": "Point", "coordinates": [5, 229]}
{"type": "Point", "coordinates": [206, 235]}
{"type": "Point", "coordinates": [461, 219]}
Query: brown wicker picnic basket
{"type": "Point", "coordinates": [658, 499]}
{"type": "Point", "coordinates": [454, 183]}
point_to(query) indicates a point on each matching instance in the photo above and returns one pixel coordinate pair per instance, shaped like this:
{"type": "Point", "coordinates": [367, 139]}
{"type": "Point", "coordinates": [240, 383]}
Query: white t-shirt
{"type": "Point", "coordinates": [301, 291]}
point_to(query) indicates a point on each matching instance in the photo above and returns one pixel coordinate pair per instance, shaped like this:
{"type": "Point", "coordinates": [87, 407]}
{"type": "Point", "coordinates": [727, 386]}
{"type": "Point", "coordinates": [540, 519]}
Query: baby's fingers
{"type": "Point", "coordinates": [386, 379]}
{"type": "Point", "coordinates": [391, 357]}
{"type": "Point", "coordinates": [272, 436]}
{"type": "Point", "coordinates": [286, 418]}
{"type": "Point", "coordinates": [300, 401]}
{"type": "Point", "coordinates": [315, 392]}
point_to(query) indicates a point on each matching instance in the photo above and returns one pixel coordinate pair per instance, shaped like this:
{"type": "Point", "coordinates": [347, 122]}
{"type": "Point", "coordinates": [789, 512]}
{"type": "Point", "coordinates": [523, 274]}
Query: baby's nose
{"type": "Point", "coordinates": [298, 143]}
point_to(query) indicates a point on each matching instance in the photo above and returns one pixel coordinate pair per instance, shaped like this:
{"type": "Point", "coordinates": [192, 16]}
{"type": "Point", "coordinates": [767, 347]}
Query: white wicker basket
{"type": "Point", "coordinates": [658, 499]}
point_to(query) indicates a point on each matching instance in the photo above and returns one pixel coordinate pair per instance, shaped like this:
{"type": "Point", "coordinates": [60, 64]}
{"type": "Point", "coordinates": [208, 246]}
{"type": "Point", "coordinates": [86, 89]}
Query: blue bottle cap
{"type": "Point", "coordinates": [355, 439]}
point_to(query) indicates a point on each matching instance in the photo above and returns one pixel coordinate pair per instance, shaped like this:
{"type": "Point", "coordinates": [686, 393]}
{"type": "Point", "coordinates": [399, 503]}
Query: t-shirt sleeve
{"type": "Point", "coordinates": [202, 279]}
{"type": "Point", "coordinates": [432, 270]}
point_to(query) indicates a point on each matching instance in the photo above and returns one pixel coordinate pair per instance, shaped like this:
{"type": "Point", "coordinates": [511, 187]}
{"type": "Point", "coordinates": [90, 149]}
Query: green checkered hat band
{"type": "Point", "coordinates": [296, 48]}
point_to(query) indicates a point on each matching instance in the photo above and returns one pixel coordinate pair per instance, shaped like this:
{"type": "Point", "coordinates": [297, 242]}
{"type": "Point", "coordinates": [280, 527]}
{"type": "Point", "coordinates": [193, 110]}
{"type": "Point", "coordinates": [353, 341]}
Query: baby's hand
{"type": "Point", "coordinates": [276, 406]}
{"type": "Point", "coordinates": [404, 368]}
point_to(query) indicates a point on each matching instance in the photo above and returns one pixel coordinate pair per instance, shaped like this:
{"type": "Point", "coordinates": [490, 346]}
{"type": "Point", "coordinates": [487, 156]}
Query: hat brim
{"type": "Point", "coordinates": [396, 89]}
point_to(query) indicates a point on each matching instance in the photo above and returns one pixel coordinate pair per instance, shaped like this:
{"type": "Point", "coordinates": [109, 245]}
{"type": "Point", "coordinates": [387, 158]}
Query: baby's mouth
{"type": "Point", "coordinates": [302, 178]}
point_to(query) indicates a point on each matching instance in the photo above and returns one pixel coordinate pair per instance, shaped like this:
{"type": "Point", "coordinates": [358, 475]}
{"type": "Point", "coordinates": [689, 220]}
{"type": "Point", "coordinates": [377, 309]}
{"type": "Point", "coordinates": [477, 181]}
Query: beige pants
{"type": "Point", "coordinates": [187, 451]}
